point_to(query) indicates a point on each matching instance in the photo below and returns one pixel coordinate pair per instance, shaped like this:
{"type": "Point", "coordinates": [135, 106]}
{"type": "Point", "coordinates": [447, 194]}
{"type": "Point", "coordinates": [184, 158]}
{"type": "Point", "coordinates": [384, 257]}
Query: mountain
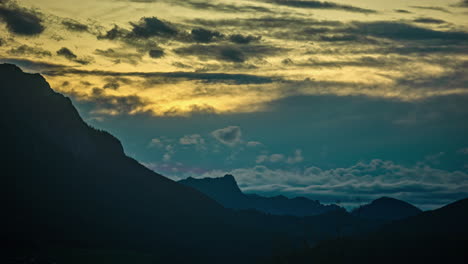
{"type": "Point", "coordinates": [64, 183]}
{"type": "Point", "coordinates": [226, 191]}
{"type": "Point", "coordinates": [387, 208]}
{"type": "Point", "coordinates": [438, 236]}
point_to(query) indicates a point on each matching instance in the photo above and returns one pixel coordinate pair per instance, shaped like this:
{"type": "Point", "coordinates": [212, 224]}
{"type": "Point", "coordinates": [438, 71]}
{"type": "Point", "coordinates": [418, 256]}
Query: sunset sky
{"type": "Point", "coordinates": [347, 100]}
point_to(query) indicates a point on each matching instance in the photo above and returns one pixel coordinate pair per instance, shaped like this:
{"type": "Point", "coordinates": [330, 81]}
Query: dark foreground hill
{"type": "Point", "coordinates": [66, 183]}
{"type": "Point", "coordinates": [226, 191]}
{"type": "Point", "coordinates": [438, 236]}
{"type": "Point", "coordinates": [387, 208]}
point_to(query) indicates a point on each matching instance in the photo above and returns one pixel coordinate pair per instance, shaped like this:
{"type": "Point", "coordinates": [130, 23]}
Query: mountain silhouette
{"type": "Point", "coordinates": [67, 187]}
{"type": "Point", "coordinates": [438, 236]}
{"type": "Point", "coordinates": [226, 191]}
{"type": "Point", "coordinates": [387, 208]}
{"type": "Point", "coordinates": [66, 183]}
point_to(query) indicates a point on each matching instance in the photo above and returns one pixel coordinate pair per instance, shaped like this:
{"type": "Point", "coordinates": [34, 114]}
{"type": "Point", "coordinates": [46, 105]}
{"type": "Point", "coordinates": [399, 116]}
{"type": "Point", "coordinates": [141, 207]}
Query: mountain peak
{"type": "Point", "coordinates": [387, 208]}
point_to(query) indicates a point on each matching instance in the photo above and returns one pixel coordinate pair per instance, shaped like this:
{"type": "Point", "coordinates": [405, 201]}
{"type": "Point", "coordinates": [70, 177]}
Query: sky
{"type": "Point", "coordinates": [340, 101]}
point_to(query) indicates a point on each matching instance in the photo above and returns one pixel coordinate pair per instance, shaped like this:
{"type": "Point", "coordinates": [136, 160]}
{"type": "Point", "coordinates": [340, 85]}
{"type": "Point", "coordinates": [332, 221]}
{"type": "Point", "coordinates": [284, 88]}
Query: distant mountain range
{"type": "Point", "coordinates": [438, 236]}
{"type": "Point", "coordinates": [226, 191]}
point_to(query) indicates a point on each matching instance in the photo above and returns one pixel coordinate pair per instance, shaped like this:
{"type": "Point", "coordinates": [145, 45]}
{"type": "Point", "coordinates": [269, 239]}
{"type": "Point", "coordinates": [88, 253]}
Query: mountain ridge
{"type": "Point", "coordinates": [226, 191]}
{"type": "Point", "coordinates": [387, 208]}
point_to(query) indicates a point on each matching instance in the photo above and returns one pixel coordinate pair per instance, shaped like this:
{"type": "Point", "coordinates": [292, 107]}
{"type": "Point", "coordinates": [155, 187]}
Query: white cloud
{"type": "Point", "coordinates": [253, 144]}
{"type": "Point", "coordinates": [273, 158]}
{"type": "Point", "coordinates": [155, 142]}
{"type": "Point", "coordinates": [194, 139]}
{"type": "Point", "coordinates": [420, 184]}
{"type": "Point", "coordinates": [297, 158]}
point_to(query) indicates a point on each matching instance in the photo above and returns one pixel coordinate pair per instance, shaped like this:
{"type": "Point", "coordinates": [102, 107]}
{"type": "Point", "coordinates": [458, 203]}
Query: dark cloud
{"type": "Point", "coordinates": [265, 22]}
{"type": "Point", "coordinates": [241, 39]}
{"type": "Point", "coordinates": [198, 76]}
{"type": "Point", "coordinates": [320, 5]}
{"type": "Point", "coordinates": [434, 8]}
{"type": "Point", "coordinates": [120, 56]}
{"type": "Point", "coordinates": [402, 31]}
{"type": "Point", "coordinates": [20, 21]}
{"type": "Point", "coordinates": [208, 5]}
{"type": "Point", "coordinates": [74, 25]}
{"type": "Point", "coordinates": [115, 33]}
{"type": "Point", "coordinates": [25, 50]}
{"type": "Point", "coordinates": [428, 20]}
{"type": "Point", "coordinates": [462, 3]}
{"type": "Point", "coordinates": [402, 11]}
{"type": "Point", "coordinates": [204, 35]}
{"type": "Point", "coordinates": [230, 135]}
{"type": "Point", "coordinates": [105, 104]}
{"type": "Point", "coordinates": [230, 53]}
{"type": "Point", "coordinates": [69, 55]}
{"type": "Point", "coordinates": [153, 27]}
{"type": "Point", "coordinates": [112, 85]}
{"type": "Point", "coordinates": [156, 53]}
{"type": "Point", "coordinates": [34, 66]}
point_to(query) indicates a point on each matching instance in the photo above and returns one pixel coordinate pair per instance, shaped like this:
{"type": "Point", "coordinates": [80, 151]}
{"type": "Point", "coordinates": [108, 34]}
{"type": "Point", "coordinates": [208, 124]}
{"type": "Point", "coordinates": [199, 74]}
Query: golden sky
{"type": "Point", "coordinates": [264, 49]}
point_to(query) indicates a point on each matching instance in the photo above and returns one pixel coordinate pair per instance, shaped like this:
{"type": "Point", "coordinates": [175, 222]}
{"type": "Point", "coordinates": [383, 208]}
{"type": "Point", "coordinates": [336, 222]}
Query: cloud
{"type": "Point", "coordinates": [428, 20]}
{"type": "Point", "coordinates": [120, 56]}
{"type": "Point", "coordinates": [73, 25]}
{"type": "Point", "coordinates": [65, 52]}
{"type": "Point", "coordinates": [218, 7]}
{"type": "Point", "coordinates": [156, 53]}
{"type": "Point", "coordinates": [25, 50]}
{"type": "Point", "coordinates": [434, 8]}
{"type": "Point", "coordinates": [194, 139]}
{"type": "Point", "coordinates": [199, 76]}
{"type": "Point", "coordinates": [69, 55]}
{"type": "Point", "coordinates": [419, 184]}
{"type": "Point", "coordinates": [34, 66]}
{"type": "Point", "coordinates": [204, 35]}
{"type": "Point", "coordinates": [115, 33]}
{"type": "Point", "coordinates": [230, 53]}
{"type": "Point", "coordinates": [402, 11]}
{"type": "Point", "coordinates": [230, 135]}
{"type": "Point", "coordinates": [297, 158]}
{"type": "Point", "coordinates": [241, 39]}
{"type": "Point", "coordinates": [21, 21]}
{"type": "Point", "coordinates": [320, 5]}
{"type": "Point", "coordinates": [155, 142]}
{"type": "Point", "coordinates": [401, 31]}
{"type": "Point", "coordinates": [273, 158]}
{"type": "Point", "coordinates": [462, 3]}
{"type": "Point", "coordinates": [104, 104]}
{"type": "Point", "coordinates": [153, 27]}
{"type": "Point", "coordinates": [253, 144]}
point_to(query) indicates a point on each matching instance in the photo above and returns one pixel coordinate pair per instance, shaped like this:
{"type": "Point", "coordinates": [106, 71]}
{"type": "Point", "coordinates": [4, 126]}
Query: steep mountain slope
{"type": "Point", "coordinates": [226, 191]}
{"type": "Point", "coordinates": [439, 236]}
{"type": "Point", "coordinates": [386, 208]}
{"type": "Point", "coordinates": [64, 182]}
